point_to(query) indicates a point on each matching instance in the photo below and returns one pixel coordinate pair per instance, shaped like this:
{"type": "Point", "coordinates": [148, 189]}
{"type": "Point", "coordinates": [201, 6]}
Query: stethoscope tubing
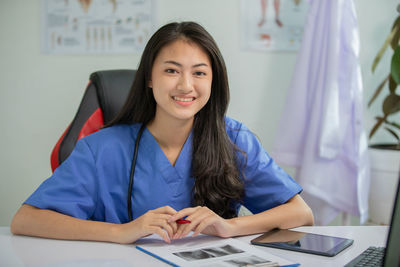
{"type": "Point", "coordinates": [131, 176]}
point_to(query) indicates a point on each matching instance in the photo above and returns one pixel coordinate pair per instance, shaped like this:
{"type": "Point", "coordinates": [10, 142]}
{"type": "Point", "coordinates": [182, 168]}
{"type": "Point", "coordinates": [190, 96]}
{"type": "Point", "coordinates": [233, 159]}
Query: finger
{"type": "Point", "coordinates": [185, 229]}
{"type": "Point", "coordinates": [163, 223]}
{"type": "Point", "coordinates": [170, 229]}
{"type": "Point", "coordinates": [179, 232]}
{"type": "Point", "coordinates": [174, 226]}
{"type": "Point", "coordinates": [204, 224]}
{"type": "Point", "coordinates": [161, 233]}
{"type": "Point", "coordinates": [158, 216]}
{"type": "Point", "coordinates": [183, 213]}
{"type": "Point", "coordinates": [196, 219]}
{"type": "Point", "coordinates": [166, 210]}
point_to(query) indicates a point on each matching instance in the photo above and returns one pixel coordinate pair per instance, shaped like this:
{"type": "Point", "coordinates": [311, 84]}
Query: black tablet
{"type": "Point", "coordinates": [303, 242]}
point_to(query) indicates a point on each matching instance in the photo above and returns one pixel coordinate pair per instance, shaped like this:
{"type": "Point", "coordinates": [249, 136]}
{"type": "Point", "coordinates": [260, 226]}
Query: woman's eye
{"type": "Point", "coordinates": [199, 73]}
{"type": "Point", "coordinates": [170, 71]}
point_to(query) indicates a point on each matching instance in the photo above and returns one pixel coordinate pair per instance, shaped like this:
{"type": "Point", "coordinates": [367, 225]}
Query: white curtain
{"type": "Point", "coordinates": [321, 129]}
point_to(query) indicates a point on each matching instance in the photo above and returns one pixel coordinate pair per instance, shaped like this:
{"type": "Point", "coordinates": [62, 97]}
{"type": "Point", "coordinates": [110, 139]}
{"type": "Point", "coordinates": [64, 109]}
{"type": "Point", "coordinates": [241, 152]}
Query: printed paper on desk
{"type": "Point", "coordinates": [206, 250]}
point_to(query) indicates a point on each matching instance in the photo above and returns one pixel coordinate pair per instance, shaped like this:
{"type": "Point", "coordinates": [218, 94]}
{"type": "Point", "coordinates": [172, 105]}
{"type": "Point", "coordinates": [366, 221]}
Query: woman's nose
{"type": "Point", "coordinates": [185, 83]}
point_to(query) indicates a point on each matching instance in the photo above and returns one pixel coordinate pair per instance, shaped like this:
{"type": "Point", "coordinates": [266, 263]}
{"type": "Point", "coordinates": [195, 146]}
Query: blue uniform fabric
{"type": "Point", "coordinates": [93, 182]}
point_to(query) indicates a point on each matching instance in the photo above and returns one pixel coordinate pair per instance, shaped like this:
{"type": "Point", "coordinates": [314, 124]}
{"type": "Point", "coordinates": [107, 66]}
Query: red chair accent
{"type": "Point", "coordinates": [103, 99]}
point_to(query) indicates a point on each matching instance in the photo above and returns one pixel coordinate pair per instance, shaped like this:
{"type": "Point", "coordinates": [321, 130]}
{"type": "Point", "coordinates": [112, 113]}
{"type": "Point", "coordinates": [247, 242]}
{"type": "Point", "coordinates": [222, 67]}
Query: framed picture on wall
{"type": "Point", "coordinates": [95, 26]}
{"type": "Point", "coordinates": [272, 25]}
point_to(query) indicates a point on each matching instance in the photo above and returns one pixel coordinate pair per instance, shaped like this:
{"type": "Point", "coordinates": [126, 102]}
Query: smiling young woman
{"type": "Point", "coordinates": [193, 162]}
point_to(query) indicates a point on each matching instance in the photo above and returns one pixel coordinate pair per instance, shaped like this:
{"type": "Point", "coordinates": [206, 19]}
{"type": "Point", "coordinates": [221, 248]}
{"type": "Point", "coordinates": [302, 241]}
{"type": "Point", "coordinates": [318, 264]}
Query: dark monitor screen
{"type": "Point", "coordinates": [392, 255]}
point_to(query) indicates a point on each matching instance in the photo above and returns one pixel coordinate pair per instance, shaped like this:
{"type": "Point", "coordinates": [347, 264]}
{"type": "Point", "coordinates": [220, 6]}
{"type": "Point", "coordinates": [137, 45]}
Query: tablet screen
{"type": "Point", "coordinates": [303, 242]}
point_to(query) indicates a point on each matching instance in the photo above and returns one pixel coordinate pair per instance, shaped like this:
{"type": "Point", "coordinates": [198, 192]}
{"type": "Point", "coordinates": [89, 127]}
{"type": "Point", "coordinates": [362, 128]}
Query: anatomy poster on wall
{"type": "Point", "coordinates": [272, 25]}
{"type": "Point", "coordinates": [95, 26]}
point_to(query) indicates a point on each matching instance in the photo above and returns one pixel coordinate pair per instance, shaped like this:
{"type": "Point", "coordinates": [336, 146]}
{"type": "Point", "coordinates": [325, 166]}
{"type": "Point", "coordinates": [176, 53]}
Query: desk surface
{"type": "Point", "coordinates": [31, 251]}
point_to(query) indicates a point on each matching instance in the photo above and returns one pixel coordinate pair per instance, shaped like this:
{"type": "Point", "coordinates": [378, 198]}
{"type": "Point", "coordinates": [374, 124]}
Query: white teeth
{"type": "Point", "coordinates": [183, 99]}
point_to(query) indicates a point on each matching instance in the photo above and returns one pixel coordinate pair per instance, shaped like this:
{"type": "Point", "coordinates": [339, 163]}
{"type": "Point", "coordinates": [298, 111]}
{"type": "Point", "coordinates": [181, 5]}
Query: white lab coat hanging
{"type": "Point", "coordinates": [321, 132]}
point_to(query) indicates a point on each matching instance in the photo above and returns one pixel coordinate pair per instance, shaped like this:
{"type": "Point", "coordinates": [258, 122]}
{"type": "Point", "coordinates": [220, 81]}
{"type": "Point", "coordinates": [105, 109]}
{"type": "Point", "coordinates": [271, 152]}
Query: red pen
{"type": "Point", "coordinates": [182, 221]}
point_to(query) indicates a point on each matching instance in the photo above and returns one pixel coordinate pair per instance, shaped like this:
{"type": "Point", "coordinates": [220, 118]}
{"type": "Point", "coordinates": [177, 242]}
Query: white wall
{"type": "Point", "coordinates": [39, 94]}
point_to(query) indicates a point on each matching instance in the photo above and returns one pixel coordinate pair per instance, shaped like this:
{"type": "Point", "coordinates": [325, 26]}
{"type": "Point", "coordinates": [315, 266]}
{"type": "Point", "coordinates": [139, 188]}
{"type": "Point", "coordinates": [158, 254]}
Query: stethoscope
{"type": "Point", "coordinates": [135, 153]}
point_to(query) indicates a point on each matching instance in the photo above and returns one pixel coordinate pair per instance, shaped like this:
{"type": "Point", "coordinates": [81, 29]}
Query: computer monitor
{"type": "Point", "coordinates": [392, 255]}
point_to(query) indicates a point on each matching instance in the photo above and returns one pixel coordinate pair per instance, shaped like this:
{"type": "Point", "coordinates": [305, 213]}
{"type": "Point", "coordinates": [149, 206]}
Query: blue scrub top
{"type": "Point", "coordinates": [93, 182]}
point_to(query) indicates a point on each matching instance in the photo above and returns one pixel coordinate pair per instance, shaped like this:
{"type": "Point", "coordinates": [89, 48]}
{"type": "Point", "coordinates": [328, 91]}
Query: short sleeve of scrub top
{"type": "Point", "coordinates": [74, 194]}
{"type": "Point", "coordinates": [266, 184]}
{"type": "Point", "coordinates": [92, 182]}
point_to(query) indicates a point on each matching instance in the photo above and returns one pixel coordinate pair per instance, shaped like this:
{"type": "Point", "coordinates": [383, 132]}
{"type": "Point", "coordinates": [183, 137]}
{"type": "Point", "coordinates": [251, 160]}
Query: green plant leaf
{"type": "Point", "coordinates": [392, 85]}
{"type": "Point", "coordinates": [395, 65]}
{"type": "Point", "coordinates": [393, 133]}
{"type": "Point", "coordinates": [378, 123]}
{"type": "Point", "coordinates": [383, 49]}
{"type": "Point", "coordinates": [378, 90]}
{"type": "Point", "coordinates": [391, 104]}
{"type": "Point", "coordinates": [394, 124]}
{"type": "Point", "coordinates": [395, 40]}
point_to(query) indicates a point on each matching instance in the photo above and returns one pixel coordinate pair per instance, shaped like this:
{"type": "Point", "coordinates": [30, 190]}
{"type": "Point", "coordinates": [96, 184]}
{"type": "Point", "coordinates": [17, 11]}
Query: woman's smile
{"type": "Point", "coordinates": [183, 101]}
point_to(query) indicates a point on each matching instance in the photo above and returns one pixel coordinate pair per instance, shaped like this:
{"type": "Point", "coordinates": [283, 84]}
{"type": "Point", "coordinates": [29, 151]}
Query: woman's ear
{"type": "Point", "coordinates": [150, 85]}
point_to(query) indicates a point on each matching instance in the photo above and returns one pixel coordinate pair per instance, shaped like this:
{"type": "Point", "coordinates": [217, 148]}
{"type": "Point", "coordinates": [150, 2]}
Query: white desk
{"type": "Point", "coordinates": [31, 251]}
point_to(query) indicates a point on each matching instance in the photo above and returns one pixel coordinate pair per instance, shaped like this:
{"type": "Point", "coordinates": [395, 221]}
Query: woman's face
{"type": "Point", "coordinates": [181, 80]}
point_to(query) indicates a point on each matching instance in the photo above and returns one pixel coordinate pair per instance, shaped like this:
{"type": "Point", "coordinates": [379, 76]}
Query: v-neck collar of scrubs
{"type": "Point", "coordinates": [183, 163]}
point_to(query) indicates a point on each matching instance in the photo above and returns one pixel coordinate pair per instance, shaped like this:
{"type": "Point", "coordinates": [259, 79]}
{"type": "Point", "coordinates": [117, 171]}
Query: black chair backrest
{"type": "Point", "coordinates": [103, 99]}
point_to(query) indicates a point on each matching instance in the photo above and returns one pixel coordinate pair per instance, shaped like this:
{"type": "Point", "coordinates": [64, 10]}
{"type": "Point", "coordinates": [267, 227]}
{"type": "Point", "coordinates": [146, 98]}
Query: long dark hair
{"type": "Point", "coordinates": [217, 176]}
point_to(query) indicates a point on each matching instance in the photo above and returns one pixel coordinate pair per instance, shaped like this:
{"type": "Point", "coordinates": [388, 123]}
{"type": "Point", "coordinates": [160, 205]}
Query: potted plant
{"type": "Point", "coordinates": [385, 158]}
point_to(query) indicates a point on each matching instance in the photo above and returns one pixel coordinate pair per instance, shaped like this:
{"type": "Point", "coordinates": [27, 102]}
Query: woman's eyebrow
{"type": "Point", "coordinates": [200, 65]}
{"type": "Point", "coordinates": [180, 65]}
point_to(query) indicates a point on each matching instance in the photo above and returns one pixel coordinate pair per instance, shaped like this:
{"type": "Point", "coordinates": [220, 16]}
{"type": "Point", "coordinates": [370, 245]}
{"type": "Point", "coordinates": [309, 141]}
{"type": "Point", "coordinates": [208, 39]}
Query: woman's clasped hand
{"type": "Point", "coordinates": [163, 222]}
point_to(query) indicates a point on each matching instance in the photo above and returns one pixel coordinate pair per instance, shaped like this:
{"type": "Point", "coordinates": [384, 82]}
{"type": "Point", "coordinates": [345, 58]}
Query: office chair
{"type": "Point", "coordinates": [103, 99]}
